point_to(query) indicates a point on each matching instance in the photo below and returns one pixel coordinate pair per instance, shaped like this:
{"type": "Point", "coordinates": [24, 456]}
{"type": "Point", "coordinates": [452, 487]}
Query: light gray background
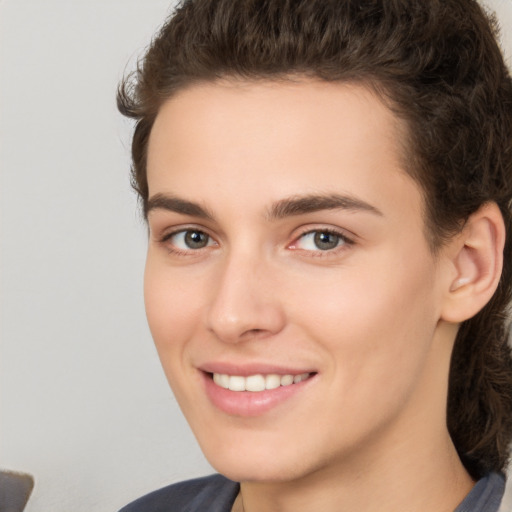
{"type": "Point", "coordinates": [85, 407]}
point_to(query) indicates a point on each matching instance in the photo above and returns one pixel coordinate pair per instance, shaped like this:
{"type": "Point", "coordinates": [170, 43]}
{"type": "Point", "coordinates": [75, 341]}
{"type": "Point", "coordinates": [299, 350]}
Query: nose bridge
{"type": "Point", "coordinates": [244, 301]}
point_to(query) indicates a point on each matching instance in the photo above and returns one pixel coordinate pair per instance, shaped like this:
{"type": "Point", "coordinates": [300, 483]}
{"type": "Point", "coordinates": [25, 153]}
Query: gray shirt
{"type": "Point", "coordinates": [485, 496]}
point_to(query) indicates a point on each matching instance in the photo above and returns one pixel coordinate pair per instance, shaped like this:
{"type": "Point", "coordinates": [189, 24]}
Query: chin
{"type": "Point", "coordinates": [257, 464]}
{"type": "Point", "coordinates": [257, 472]}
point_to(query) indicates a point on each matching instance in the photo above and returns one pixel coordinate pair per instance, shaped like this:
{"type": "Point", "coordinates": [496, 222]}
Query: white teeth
{"type": "Point", "coordinates": [236, 383]}
{"type": "Point", "coordinates": [272, 381]}
{"type": "Point", "coordinates": [286, 380]}
{"type": "Point", "coordinates": [256, 382]}
{"type": "Point", "coordinates": [221, 379]}
{"type": "Point", "coordinates": [300, 378]}
{"type": "Point", "coordinates": [224, 380]}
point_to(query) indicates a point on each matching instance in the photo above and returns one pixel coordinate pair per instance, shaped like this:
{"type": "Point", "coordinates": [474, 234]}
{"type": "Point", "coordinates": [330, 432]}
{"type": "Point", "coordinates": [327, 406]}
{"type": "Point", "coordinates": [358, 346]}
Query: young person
{"type": "Point", "coordinates": [327, 186]}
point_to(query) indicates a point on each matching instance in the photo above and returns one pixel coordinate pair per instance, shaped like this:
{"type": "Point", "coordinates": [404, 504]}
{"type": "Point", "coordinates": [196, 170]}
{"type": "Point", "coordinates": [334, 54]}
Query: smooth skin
{"type": "Point", "coordinates": [354, 293]}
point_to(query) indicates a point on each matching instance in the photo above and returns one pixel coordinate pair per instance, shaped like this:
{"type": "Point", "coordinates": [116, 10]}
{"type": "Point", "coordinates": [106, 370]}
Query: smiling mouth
{"type": "Point", "coordinates": [257, 382]}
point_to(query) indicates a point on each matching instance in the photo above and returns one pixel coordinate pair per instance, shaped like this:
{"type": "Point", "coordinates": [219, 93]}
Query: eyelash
{"type": "Point", "coordinates": [184, 252]}
{"type": "Point", "coordinates": [342, 242]}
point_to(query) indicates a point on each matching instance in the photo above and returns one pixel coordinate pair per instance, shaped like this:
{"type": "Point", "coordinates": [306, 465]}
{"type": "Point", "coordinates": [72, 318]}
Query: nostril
{"type": "Point", "coordinates": [255, 331]}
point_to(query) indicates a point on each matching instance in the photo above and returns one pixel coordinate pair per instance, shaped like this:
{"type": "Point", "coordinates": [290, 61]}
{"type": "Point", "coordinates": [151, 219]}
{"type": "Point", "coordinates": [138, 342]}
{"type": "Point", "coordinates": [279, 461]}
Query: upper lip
{"type": "Point", "coordinates": [246, 369]}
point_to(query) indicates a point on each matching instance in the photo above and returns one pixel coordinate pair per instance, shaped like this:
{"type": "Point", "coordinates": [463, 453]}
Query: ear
{"type": "Point", "coordinates": [475, 262]}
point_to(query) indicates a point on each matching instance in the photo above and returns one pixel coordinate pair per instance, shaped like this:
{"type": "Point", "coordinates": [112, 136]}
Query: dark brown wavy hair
{"type": "Point", "coordinates": [437, 65]}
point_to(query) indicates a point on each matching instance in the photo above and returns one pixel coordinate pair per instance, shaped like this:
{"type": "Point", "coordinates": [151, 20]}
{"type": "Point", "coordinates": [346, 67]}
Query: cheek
{"type": "Point", "coordinates": [172, 307]}
{"type": "Point", "coordinates": [375, 324]}
{"type": "Point", "coordinates": [172, 310]}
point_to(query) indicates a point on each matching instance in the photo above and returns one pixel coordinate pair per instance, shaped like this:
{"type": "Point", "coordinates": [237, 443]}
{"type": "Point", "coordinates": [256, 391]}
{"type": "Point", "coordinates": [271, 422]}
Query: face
{"type": "Point", "coordinates": [289, 286]}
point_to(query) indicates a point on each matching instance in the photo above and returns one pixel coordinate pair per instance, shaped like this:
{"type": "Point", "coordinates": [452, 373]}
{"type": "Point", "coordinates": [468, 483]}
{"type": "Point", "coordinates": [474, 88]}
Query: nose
{"type": "Point", "coordinates": [245, 303]}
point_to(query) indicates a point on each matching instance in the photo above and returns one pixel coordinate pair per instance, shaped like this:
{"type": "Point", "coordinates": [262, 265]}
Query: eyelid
{"type": "Point", "coordinates": [165, 237]}
{"type": "Point", "coordinates": [347, 239]}
{"type": "Point", "coordinates": [161, 222]}
{"type": "Point", "coordinates": [164, 234]}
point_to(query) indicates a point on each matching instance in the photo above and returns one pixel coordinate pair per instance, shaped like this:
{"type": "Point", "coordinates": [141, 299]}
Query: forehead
{"type": "Point", "coordinates": [297, 108]}
{"type": "Point", "coordinates": [241, 139]}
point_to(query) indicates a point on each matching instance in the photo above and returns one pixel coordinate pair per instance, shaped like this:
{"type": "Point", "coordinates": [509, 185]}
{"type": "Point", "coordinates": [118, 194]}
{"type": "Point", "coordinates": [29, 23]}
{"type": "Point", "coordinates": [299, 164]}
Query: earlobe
{"type": "Point", "coordinates": [476, 264]}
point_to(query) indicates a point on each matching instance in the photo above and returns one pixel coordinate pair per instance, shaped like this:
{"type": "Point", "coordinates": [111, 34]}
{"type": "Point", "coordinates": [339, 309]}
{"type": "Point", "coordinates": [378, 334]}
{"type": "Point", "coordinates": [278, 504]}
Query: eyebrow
{"type": "Point", "coordinates": [288, 207]}
{"type": "Point", "coordinates": [177, 205]}
{"type": "Point", "coordinates": [313, 203]}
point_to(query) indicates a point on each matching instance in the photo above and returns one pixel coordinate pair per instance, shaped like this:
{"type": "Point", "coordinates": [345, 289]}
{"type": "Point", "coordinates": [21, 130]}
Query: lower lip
{"type": "Point", "coordinates": [250, 403]}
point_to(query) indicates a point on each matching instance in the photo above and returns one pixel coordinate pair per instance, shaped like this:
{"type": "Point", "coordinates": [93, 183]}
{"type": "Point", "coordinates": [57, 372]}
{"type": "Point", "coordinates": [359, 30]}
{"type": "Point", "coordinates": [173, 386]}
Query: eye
{"type": "Point", "coordinates": [320, 240]}
{"type": "Point", "coordinates": [189, 239]}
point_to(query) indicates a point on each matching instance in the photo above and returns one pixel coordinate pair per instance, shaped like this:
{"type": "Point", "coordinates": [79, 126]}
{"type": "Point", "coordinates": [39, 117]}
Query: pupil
{"type": "Point", "coordinates": [325, 241]}
{"type": "Point", "coordinates": [196, 239]}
